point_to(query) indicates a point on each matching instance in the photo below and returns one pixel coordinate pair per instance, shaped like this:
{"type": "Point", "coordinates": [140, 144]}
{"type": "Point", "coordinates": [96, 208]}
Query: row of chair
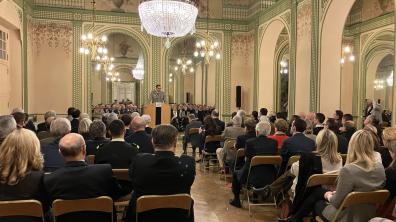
{"type": "Point", "coordinates": [33, 208]}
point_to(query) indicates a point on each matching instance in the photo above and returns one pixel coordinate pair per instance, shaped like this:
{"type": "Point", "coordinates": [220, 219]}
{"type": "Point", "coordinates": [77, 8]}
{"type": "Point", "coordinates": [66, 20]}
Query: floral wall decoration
{"type": "Point", "coordinates": [243, 44]}
{"type": "Point", "coordinates": [53, 34]}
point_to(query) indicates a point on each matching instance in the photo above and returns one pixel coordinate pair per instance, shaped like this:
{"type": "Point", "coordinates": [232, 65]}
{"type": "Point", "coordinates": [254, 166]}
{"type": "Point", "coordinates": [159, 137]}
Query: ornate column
{"type": "Point", "coordinates": [293, 52]}
{"type": "Point", "coordinates": [25, 80]}
{"type": "Point", "coordinates": [227, 74]}
{"type": "Point", "coordinates": [156, 61]}
{"type": "Point", "coordinates": [77, 67]}
{"type": "Point", "coordinates": [314, 94]}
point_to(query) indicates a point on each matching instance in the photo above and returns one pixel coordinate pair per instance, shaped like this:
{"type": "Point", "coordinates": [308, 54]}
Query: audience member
{"type": "Point", "coordinates": [22, 178]}
{"type": "Point", "coordinates": [75, 122]}
{"type": "Point", "coordinates": [255, 116]}
{"type": "Point", "coordinates": [52, 158]}
{"type": "Point", "coordinates": [332, 125]}
{"type": "Point", "coordinates": [140, 138]}
{"type": "Point", "coordinates": [372, 120]}
{"type": "Point", "coordinates": [263, 112]}
{"type": "Point", "coordinates": [147, 120]}
{"type": "Point", "coordinates": [259, 176]}
{"type": "Point", "coordinates": [83, 116]}
{"type": "Point", "coordinates": [195, 140]}
{"type": "Point", "coordinates": [309, 130]}
{"type": "Point", "coordinates": [338, 114]}
{"type": "Point", "coordinates": [318, 122]}
{"type": "Point", "coordinates": [97, 130]}
{"type": "Point", "coordinates": [19, 116]}
{"type": "Point", "coordinates": [360, 173]}
{"type": "Point", "coordinates": [281, 127]}
{"type": "Point", "coordinates": [210, 129]}
{"type": "Point", "coordinates": [7, 125]}
{"type": "Point", "coordinates": [163, 173]}
{"type": "Point", "coordinates": [78, 180]}
{"type": "Point", "coordinates": [219, 123]}
{"type": "Point", "coordinates": [45, 126]}
{"type": "Point", "coordinates": [70, 111]}
{"type": "Point", "coordinates": [389, 138]}
{"type": "Point", "coordinates": [242, 113]}
{"type": "Point", "coordinates": [348, 129]}
{"type": "Point", "coordinates": [127, 120]}
{"type": "Point", "coordinates": [83, 128]}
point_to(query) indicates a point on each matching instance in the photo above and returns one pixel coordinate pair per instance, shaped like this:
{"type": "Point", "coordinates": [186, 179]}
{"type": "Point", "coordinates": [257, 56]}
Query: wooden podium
{"type": "Point", "coordinates": [160, 113]}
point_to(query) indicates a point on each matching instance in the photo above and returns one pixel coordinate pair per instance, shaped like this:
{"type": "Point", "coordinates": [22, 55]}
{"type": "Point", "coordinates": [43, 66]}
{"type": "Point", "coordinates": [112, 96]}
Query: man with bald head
{"type": "Point", "coordinates": [78, 180]}
{"type": "Point", "coordinates": [140, 138]}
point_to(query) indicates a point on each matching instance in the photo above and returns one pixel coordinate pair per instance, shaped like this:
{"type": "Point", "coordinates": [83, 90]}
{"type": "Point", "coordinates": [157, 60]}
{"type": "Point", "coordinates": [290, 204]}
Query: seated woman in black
{"type": "Point", "coordinates": [22, 178]}
{"type": "Point", "coordinates": [210, 129]}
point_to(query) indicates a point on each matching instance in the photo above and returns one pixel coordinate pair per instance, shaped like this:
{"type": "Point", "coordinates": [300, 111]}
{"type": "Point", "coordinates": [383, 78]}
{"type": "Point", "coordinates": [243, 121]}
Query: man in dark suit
{"type": "Point", "coordinates": [127, 119]}
{"type": "Point", "coordinates": [260, 175]}
{"type": "Point", "coordinates": [318, 122]}
{"type": "Point", "coordinates": [332, 125]}
{"type": "Point", "coordinates": [194, 139]}
{"type": "Point", "coordinates": [161, 173]}
{"type": "Point", "coordinates": [78, 180]}
{"type": "Point", "coordinates": [118, 153]}
{"type": "Point", "coordinates": [296, 144]}
{"type": "Point", "coordinates": [75, 122]}
{"type": "Point", "coordinates": [140, 138]}
{"type": "Point", "coordinates": [50, 150]}
{"type": "Point", "coordinates": [45, 126]}
{"type": "Point", "coordinates": [220, 124]}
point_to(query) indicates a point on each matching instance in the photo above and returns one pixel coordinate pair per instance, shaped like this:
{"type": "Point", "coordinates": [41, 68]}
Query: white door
{"type": "Point", "coordinates": [124, 91]}
{"type": "Point", "coordinates": [5, 87]}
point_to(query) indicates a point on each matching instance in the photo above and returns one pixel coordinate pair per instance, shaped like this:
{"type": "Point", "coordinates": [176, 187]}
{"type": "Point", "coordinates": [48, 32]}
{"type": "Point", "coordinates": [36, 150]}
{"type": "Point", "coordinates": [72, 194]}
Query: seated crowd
{"type": "Point", "coordinates": [50, 161]}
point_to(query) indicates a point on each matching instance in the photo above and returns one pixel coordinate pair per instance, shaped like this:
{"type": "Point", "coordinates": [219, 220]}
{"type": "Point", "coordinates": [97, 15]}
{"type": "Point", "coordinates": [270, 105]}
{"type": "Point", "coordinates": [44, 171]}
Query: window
{"type": "Point", "coordinates": [3, 45]}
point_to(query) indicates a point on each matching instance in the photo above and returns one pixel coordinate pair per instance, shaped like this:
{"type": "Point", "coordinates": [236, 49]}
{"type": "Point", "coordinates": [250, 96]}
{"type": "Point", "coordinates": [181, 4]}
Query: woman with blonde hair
{"type": "Point", "coordinates": [21, 164]}
{"type": "Point", "coordinates": [362, 172]}
{"type": "Point", "coordinates": [326, 159]}
{"type": "Point", "coordinates": [83, 128]}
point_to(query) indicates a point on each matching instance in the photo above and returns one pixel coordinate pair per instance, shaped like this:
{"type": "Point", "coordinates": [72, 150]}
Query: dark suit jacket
{"type": "Point", "coordinates": [128, 132]}
{"type": "Point", "coordinates": [43, 127]}
{"type": "Point", "coordinates": [195, 140]}
{"type": "Point", "coordinates": [116, 153]}
{"type": "Point", "coordinates": [391, 181]}
{"type": "Point", "coordinates": [93, 145]}
{"type": "Point", "coordinates": [342, 144]}
{"type": "Point", "coordinates": [220, 124]}
{"type": "Point", "coordinates": [161, 173]}
{"type": "Point", "coordinates": [148, 130]}
{"type": "Point", "coordinates": [30, 187]}
{"type": "Point", "coordinates": [295, 145]}
{"type": "Point", "coordinates": [74, 125]}
{"type": "Point", "coordinates": [78, 180]}
{"type": "Point", "coordinates": [260, 175]}
{"type": "Point", "coordinates": [52, 158]}
{"type": "Point", "coordinates": [142, 140]}
{"type": "Point", "coordinates": [316, 130]}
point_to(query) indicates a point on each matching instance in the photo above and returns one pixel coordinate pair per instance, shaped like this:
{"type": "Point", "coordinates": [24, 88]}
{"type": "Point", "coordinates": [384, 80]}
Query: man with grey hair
{"type": "Point", "coordinates": [78, 180]}
{"type": "Point", "coordinates": [215, 115]}
{"type": "Point", "coordinates": [174, 174]}
{"type": "Point", "coordinates": [52, 159]}
{"type": "Point", "coordinates": [140, 138]}
{"type": "Point", "coordinates": [45, 126]}
{"type": "Point", "coordinates": [260, 175]}
{"type": "Point", "coordinates": [97, 130]}
{"type": "Point", "coordinates": [7, 125]}
{"type": "Point", "coordinates": [147, 119]}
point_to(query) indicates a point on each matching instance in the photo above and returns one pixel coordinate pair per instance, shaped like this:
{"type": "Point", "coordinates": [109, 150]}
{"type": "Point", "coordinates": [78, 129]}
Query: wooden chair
{"type": "Point", "coordinates": [292, 160]}
{"type": "Point", "coordinates": [91, 159]}
{"type": "Point", "coordinates": [152, 202]}
{"type": "Point", "coordinates": [212, 157]}
{"type": "Point", "coordinates": [229, 144]}
{"type": "Point", "coordinates": [257, 161]}
{"type": "Point", "coordinates": [99, 204]}
{"type": "Point", "coordinates": [195, 138]}
{"type": "Point", "coordinates": [121, 174]}
{"type": "Point", "coordinates": [239, 154]}
{"type": "Point", "coordinates": [29, 208]}
{"type": "Point", "coordinates": [123, 202]}
{"type": "Point", "coordinates": [322, 179]}
{"type": "Point", "coordinates": [374, 197]}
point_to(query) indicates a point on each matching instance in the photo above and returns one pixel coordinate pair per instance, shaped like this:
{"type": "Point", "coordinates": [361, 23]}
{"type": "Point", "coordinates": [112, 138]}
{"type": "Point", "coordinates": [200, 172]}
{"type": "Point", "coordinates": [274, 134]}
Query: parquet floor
{"type": "Point", "coordinates": [211, 195]}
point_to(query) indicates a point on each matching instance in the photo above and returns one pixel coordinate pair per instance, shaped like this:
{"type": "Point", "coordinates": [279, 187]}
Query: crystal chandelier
{"type": "Point", "coordinates": [206, 48]}
{"type": "Point", "coordinates": [113, 77]}
{"type": "Point", "coordinates": [168, 18]}
{"type": "Point", "coordinates": [284, 67]}
{"type": "Point", "coordinates": [138, 71]}
{"type": "Point", "coordinates": [105, 62]}
{"type": "Point", "coordinates": [92, 44]}
{"type": "Point", "coordinates": [347, 53]}
{"type": "Point", "coordinates": [184, 65]}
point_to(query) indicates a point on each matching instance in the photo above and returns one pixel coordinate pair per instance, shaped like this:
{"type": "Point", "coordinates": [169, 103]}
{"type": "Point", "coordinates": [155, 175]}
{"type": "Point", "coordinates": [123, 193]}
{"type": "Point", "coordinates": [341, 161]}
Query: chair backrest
{"type": "Point", "coordinates": [121, 174]}
{"type": "Point", "coordinates": [152, 202]}
{"type": "Point", "coordinates": [374, 197]}
{"type": "Point", "coordinates": [264, 160]}
{"type": "Point", "coordinates": [99, 204]}
{"type": "Point", "coordinates": [322, 179]}
{"type": "Point", "coordinates": [193, 131]}
{"type": "Point", "coordinates": [239, 154]}
{"type": "Point", "coordinates": [215, 138]}
{"type": "Point", "coordinates": [30, 208]}
{"type": "Point", "coordinates": [292, 160]}
{"type": "Point", "coordinates": [91, 159]}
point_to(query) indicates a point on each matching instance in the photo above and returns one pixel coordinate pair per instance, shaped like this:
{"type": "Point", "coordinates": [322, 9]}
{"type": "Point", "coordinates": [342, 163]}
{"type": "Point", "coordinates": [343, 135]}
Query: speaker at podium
{"type": "Point", "coordinates": [160, 113]}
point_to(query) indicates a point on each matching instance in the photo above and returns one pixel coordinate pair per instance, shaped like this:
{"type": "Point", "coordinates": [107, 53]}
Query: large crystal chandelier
{"type": "Point", "coordinates": [168, 18]}
{"type": "Point", "coordinates": [206, 48]}
{"type": "Point", "coordinates": [138, 71]}
{"type": "Point", "coordinates": [91, 44]}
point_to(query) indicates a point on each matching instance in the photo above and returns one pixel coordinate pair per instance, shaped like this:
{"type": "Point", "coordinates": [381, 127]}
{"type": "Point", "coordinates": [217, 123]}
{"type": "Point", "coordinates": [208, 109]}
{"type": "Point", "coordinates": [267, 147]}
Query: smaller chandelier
{"type": "Point", "coordinates": [347, 54]}
{"type": "Point", "coordinates": [379, 84]}
{"type": "Point", "coordinates": [184, 65]}
{"type": "Point", "coordinates": [207, 49]}
{"type": "Point", "coordinates": [168, 18]}
{"type": "Point", "coordinates": [138, 71]}
{"type": "Point", "coordinates": [105, 62]}
{"type": "Point", "coordinates": [284, 67]}
{"type": "Point", "coordinates": [113, 77]}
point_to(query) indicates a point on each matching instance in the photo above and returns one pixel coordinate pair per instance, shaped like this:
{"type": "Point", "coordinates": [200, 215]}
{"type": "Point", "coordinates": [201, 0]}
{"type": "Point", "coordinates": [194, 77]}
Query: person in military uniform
{"type": "Point", "coordinates": [157, 96]}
